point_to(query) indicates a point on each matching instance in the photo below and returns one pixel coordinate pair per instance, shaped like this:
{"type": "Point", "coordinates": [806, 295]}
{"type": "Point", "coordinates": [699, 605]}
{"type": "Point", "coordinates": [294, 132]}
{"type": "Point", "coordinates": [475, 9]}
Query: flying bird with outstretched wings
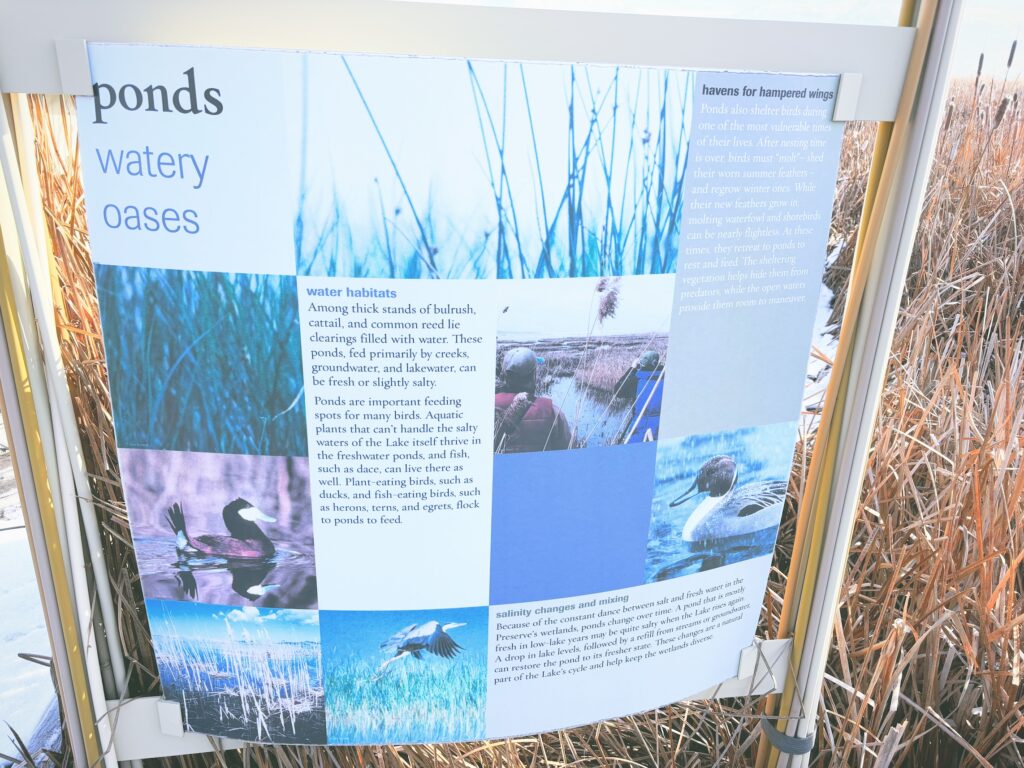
{"type": "Point", "coordinates": [413, 640]}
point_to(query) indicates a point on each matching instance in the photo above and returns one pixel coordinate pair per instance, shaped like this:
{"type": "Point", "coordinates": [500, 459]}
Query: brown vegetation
{"type": "Point", "coordinates": [596, 362]}
{"type": "Point", "coordinates": [926, 663]}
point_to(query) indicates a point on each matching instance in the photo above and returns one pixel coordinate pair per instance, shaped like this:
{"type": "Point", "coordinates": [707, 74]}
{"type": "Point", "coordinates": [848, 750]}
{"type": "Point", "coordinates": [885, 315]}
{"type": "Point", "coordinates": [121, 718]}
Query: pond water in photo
{"type": "Point", "coordinates": [593, 420]}
{"type": "Point", "coordinates": [247, 691]}
{"type": "Point", "coordinates": [287, 579]}
{"type": "Point", "coordinates": [246, 673]}
{"type": "Point", "coordinates": [761, 454]}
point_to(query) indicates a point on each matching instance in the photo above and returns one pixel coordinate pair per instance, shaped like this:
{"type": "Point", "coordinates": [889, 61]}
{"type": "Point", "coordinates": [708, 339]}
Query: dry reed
{"type": "Point", "coordinates": [926, 664]}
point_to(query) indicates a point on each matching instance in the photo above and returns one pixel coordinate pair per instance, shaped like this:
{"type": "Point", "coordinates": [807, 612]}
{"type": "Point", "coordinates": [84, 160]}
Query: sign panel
{"type": "Point", "coordinates": [454, 399]}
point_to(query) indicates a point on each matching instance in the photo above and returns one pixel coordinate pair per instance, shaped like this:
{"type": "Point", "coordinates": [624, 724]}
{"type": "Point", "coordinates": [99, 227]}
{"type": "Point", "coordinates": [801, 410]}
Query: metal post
{"type": "Point", "coordinates": [50, 466]}
{"type": "Point", "coordinates": [29, 460]}
{"type": "Point", "coordinates": [844, 438]}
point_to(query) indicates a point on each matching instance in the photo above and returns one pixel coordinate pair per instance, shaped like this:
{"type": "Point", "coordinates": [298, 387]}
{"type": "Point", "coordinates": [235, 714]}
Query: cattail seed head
{"type": "Point", "coordinates": [1001, 111]}
{"type": "Point", "coordinates": [1013, 50]}
{"type": "Point", "coordinates": [609, 303]}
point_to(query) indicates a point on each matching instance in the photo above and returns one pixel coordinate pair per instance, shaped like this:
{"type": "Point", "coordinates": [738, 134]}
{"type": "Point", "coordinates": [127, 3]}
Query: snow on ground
{"type": "Point", "coordinates": [25, 688]}
{"type": "Point", "coordinates": [10, 506]}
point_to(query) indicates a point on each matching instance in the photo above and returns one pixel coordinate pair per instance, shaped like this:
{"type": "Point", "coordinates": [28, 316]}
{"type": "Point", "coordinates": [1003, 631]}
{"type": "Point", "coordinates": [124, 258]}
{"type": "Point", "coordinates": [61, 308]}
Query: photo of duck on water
{"type": "Point", "coordinates": [718, 499]}
{"type": "Point", "coordinates": [220, 528]}
{"type": "Point", "coordinates": [730, 508]}
{"type": "Point", "coordinates": [245, 539]}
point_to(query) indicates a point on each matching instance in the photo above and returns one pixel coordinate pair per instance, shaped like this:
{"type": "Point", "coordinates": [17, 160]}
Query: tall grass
{"type": "Point", "coordinates": [239, 682]}
{"type": "Point", "coordinates": [925, 665]}
{"type": "Point", "coordinates": [612, 207]}
{"type": "Point", "coordinates": [204, 361]}
{"type": "Point", "coordinates": [416, 700]}
{"type": "Point", "coordinates": [928, 652]}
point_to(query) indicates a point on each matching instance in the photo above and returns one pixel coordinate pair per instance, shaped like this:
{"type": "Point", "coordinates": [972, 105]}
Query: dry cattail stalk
{"type": "Point", "coordinates": [506, 423]}
{"type": "Point", "coordinates": [609, 302]}
{"type": "Point", "coordinates": [1001, 111]}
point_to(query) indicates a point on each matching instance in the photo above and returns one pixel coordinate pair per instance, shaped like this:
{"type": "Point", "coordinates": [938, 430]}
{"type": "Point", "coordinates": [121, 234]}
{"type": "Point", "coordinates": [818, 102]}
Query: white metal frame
{"type": "Point", "coordinates": [42, 49]}
{"type": "Point", "coordinates": [873, 304]}
{"type": "Point", "coordinates": [31, 32]}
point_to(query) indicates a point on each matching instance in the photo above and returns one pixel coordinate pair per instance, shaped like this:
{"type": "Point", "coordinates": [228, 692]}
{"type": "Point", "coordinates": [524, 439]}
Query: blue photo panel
{"type": "Point", "coordinates": [445, 168]}
{"type": "Point", "coordinates": [203, 361]}
{"type": "Point", "coordinates": [580, 362]}
{"type": "Point", "coordinates": [570, 523]}
{"type": "Point", "coordinates": [242, 673]}
{"type": "Point", "coordinates": [718, 499]}
{"type": "Point", "coordinates": [221, 528]}
{"type": "Point", "coordinates": [401, 677]}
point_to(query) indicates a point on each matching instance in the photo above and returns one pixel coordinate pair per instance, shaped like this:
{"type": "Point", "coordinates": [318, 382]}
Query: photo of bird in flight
{"type": "Point", "coordinates": [431, 637]}
{"type": "Point", "coordinates": [438, 693]}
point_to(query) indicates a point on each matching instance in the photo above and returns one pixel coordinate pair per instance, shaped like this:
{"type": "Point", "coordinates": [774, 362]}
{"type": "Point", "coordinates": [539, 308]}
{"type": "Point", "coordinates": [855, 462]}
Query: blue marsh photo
{"type": "Point", "coordinates": [245, 673]}
{"type": "Point", "coordinates": [403, 677]}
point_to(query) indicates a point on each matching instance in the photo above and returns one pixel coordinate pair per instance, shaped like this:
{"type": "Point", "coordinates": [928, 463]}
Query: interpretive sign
{"type": "Point", "coordinates": [454, 399]}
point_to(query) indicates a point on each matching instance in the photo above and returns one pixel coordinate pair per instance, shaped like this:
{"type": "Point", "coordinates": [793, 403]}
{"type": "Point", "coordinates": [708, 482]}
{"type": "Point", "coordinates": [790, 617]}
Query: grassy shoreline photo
{"type": "Point", "coordinates": [243, 673]}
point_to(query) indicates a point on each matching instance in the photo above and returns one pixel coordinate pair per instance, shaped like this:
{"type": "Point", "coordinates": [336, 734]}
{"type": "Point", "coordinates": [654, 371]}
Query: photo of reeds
{"type": "Point", "coordinates": [444, 168]}
{"type": "Point", "coordinates": [222, 528]}
{"type": "Point", "coordinates": [718, 499]}
{"type": "Point", "coordinates": [400, 677]}
{"type": "Point", "coordinates": [580, 362]}
{"type": "Point", "coordinates": [203, 361]}
{"type": "Point", "coordinates": [243, 673]}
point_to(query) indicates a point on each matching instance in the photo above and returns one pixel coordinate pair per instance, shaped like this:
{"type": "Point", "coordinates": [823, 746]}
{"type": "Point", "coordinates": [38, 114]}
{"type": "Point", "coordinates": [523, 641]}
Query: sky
{"type": "Point", "coordinates": [213, 622]}
{"type": "Point", "coordinates": [987, 26]}
{"type": "Point", "coordinates": [376, 113]}
{"type": "Point", "coordinates": [544, 309]}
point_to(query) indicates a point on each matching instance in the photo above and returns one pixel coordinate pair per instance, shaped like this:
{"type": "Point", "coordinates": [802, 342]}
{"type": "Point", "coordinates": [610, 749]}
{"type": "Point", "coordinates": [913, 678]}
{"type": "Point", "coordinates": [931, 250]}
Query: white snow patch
{"type": "Point", "coordinates": [10, 504]}
{"type": "Point", "coordinates": [25, 688]}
